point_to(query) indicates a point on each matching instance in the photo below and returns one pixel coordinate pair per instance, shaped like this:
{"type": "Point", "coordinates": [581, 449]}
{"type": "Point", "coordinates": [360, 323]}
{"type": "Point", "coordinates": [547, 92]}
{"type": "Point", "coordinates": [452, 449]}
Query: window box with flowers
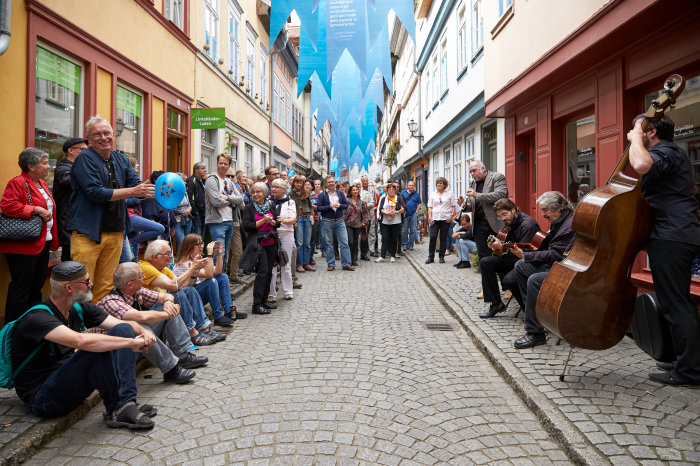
{"type": "Point", "coordinates": [393, 152]}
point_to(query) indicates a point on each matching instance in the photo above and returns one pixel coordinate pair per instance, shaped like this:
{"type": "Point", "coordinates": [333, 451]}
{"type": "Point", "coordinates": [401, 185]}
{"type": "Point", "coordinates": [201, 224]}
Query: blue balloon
{"type": "Point", "coordinates": [291, 173]}
{"type": "Point", "coordinates": [170, 189]}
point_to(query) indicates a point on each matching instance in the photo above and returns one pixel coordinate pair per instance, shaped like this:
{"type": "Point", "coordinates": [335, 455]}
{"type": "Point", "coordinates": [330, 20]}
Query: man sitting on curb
{"type": "Point", "coordinates": [158, 277]}
{"type": "Point", "coordinates": [130, 301]}
{"type": "Point", "coordinates": [464, 239]}
{"type": "Point", "coordinates": [57, 379]}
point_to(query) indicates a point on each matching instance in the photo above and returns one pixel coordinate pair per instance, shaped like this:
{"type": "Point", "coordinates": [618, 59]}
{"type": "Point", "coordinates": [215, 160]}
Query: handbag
{"type": "Point", "coordinates": [282, 258]}
{"type": "Point", "coordinates": [21, 229]}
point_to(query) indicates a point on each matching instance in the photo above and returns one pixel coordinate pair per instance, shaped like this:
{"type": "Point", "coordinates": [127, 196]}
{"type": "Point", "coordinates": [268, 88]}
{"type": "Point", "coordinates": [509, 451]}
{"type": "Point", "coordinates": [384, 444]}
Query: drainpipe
{"type": "Point", "coordinates": [5, 21]}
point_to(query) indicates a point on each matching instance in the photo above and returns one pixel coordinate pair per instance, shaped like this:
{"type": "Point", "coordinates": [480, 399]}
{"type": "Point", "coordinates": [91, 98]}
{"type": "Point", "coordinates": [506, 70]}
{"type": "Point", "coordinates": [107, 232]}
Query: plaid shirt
{"type": "Point", "coordinates": [118, 305]}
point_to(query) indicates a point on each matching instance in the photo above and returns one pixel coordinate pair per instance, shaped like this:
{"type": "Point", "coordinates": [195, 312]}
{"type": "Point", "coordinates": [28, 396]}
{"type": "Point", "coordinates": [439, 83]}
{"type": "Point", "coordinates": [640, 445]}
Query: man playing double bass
{"type": "Point", "coordinates": [674, 241]}
{"type": "Point", "coordinates": [521, 229]}
{"type": "Point", "coordinates": [534, 266]}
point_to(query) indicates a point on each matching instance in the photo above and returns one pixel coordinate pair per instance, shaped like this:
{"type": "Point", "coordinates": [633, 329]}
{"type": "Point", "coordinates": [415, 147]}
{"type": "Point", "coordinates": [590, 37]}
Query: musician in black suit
{"type": "Point", "coordinates": [674, 241]}
{"type": "Point", "coordinates": [521, 229]}
{"type": "Point", "coordinates": [533, 266]}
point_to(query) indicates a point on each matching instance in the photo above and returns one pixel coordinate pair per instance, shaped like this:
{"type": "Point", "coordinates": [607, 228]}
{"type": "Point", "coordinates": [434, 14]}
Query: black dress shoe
{"type": "Point", "coordinates": [270, 306]}
{"type": "Point", "coordinates": [463, 265]}
{"type": "Point", "coordinates": [494, 309]}
{"type": "Point", "coordinates": [671, 378]}
{"type": "Point", "coordinates": [666, 366]}
{"type": "Point", "coordinates": [260, 309]}
{"type": "Point", "coordinates": [224, 321]}
{"type": "Point", "coordinates": [240, 315]}
{"type": "Point", "coordinates": [178, 374]}
{"type": "Point", "coordinates": [441, 260]}
{"type": "Point", "coordinates": [430, 260]}
{"type": "Point", "coordinates": [191, 361]}
{"type": "Point", "coordinates": [530, 340]}
{"type": "Point", "coordinates": [364, 258]}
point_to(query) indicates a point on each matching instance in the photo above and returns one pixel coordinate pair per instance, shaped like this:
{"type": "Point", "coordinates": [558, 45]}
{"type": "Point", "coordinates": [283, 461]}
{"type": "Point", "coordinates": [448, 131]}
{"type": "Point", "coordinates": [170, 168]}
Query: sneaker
{"type": "Point", "coordinates": [379, 259]}
{"type": "Point", "coordinates": [224, 321]}
{"type": "Point", "coordinates": [270, 299]}
{"type": "Point", "coordinates": [178, 374]}
{"type": "Point", "coordinates": [288, 297]}
{"type": "Point", "coordinates": [191, 361]}
{"type": "Point", "coordinates": [392, 260]}
{"type": "Point", "coordinates": [215, 336]}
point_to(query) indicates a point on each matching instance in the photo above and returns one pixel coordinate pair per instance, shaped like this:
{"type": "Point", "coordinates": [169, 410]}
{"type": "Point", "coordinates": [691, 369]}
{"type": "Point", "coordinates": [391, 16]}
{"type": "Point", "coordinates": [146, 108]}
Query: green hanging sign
{"type": "Point", "coordinates": [208, 118]}
{"type": "Point", "coordinates": [56, 69]}
{"type": "Point", "coordinates": [128, 101]}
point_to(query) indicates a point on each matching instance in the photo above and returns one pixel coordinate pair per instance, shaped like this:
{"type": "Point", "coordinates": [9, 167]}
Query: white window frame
{"type": "Point", "coordinates": [436, 80]}
{"type": "Point", "coordinates": [289, 111]}
{"type": "Point", "coordinates": [250, 60]}
{"type": "Point", "coordinates": [175, 12]}
{"type": "Point", "coordinates": [234, 42]}
{"type": "Point", "coordinates": [470, 147]}
{"type": "Point", "coordinates": [462, 37]}
{"type": "Point", "coordinates": [436, 167]}
{"type": "Point", "coordinates": [458, 159]}
{"type": "Point", "coordinates": [263, 74]}
{"type": "Point", "coordinates": [443, 65]}
{"type": "Point", "coordinates": [477, 18]}
{"type": "Point", "coordinates": [211, 27]}
{"type": "Point", "coordinates": [447, 164]}
{"type": "Point", "coordinates": [275, 99]}
{"type": "Point", "coordinates": [502, 7]}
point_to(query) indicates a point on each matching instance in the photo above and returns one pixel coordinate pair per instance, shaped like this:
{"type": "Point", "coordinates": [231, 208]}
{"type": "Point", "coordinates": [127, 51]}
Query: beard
{"type": "Point", "coordinates": [82, 296]}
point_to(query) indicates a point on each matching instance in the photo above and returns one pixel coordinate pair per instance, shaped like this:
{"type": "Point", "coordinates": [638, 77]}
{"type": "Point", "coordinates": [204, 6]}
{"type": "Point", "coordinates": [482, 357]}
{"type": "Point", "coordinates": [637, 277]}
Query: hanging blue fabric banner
{"type": "Point", "coordinates": [346, 25]}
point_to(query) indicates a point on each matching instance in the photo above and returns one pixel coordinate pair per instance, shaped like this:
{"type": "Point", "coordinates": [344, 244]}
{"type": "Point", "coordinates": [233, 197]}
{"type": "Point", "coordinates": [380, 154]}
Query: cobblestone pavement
{"type": "Point", "coordinates": [346, 373]}
{"type": "Point", "coordinates": [606, 396]}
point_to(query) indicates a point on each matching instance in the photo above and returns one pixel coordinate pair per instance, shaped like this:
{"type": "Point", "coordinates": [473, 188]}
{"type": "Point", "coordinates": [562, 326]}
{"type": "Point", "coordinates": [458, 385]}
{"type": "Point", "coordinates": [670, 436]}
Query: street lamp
{"type": "Point", "coordinates": [413, 128]}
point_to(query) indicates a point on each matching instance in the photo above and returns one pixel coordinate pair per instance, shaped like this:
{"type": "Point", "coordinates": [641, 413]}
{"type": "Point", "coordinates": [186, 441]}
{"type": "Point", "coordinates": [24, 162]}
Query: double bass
{"type": "Point", "coordinates": [587, 299]}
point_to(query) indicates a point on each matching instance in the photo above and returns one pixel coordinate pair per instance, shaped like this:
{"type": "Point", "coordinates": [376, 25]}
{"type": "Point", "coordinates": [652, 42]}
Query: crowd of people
{"type": "Point", "coordinates": [139, 276]}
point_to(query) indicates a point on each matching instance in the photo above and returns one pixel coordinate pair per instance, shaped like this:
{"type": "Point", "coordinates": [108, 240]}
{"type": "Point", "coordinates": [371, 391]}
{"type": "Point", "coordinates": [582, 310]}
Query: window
{"type": "Point", "coordinates": [249, 160]}
{"type": "Point", "coordinates": [263, 160]}
{"type": "Point", "coordinates": [477, 27]}
{"type": "Point", "coordinates": [462, 35]}
{"type": "Point", "coordinates": [57, 104]}
{"type": "Point", "coordinates": [234, 45]}
{"type": "Point", "coordinates": [443, 66]}
{"type": "Point", "coordinates": [289, 111]}
{"type": "Point", "coordinates": [448, 167]}
{"type": "Point", "coordinates": [175, 12]}
{"type": "Point", "coordinates": [469, 147]}
{"type": "Point", "coordinates": [428, 88]}
{"type": "Point", "coordinates": [298, 125]}
{"type": "Point", "coordinates": [503, 6]}
{"type": "Point", "coordinates": [176, 122]}
{"type": "Point", "coordinates": [211, 27]}
{"type": "Point", "coordinates": [232, 143]}
{"type": "Point", "coordinates": [275, 99]}
{"type": "Point", "coordinates": [580, 157]}
{"type": "Point", "coordinates": [457, 153]}
{"type": "Point", "coordinates": [209, 148]}
{"type": "Point", "coordinates": [250, 68]}
{"type": "Point", "coordinates": [263, 74]}
{"type": "Point", "coordinates": [436, 167]}
{"type": "Point", "coordinates": [436, 80]}
{"type": "Point", "coordinates": [128, 124]}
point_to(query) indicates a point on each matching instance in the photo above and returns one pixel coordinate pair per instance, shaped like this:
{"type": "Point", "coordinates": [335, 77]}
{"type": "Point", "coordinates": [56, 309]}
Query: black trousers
{"type": "Point", "coordinates": [671, 262]}
{"type": "Point", "coordinates": [27, 274]}
{"type": "Point", "coordinates": [314, 237]}
{"type": "Point", "coordinates": [263, 274]}
{"type": "Point", "coordinates": [391, 237]}
{"type": "Point", "coordinates": [493, 267]}
{"type": "Point", "coordinates": [530, 278]}
{"type": "Point", "coordinates": [440, 227]}
{"type": "Point", "coordinates": [353, 242]}
{"type": "Point", "coordinates": [482, 230]}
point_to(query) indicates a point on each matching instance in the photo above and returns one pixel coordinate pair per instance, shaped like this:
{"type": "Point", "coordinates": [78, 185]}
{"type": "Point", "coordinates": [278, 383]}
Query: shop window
{"type": "Point", "coordinates": [57, 104]}
{"type": "Point", "coordinates": [580, 157]}
{"type": "Point", "coordinates": [128, 124]}
{"type": "Point", "coordinates": [686, 115]}
{"type": "Point", "coordinates": [209, 145]}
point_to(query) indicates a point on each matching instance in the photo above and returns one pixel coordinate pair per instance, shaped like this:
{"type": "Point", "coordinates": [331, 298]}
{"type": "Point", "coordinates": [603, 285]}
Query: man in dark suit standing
{"type": "Point", "coordinates": [484, 190]}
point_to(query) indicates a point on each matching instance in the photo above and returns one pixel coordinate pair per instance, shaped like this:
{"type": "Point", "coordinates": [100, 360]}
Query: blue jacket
{"type": "Point", "coordinates": [324, 205]}
{"type": "Point", "coordinates": [413, 203]}
{"type": "Point", "coordinates": [89, 180]}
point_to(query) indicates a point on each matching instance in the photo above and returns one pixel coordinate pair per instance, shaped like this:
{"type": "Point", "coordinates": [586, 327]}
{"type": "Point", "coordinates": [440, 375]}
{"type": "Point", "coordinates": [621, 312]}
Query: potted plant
{"type": "Point", "coordinates": [393, 152]}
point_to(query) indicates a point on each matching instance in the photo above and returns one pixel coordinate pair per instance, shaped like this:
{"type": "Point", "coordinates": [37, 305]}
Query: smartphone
{"type": "Point", "coordinates": [215, 253]}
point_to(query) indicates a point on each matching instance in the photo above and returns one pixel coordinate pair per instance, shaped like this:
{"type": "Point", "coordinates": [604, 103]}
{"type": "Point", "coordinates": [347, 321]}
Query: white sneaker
{"type": "Point", "coordinates": [379, 259]}
{"type": "Point", "coordinates": [392, 260]}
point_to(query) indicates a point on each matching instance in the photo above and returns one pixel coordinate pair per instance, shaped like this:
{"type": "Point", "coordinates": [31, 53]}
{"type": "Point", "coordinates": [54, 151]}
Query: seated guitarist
{"type": "Point", "coordinates": [522, 229]}
{"type": "Point", "coordinates": [533, 267]}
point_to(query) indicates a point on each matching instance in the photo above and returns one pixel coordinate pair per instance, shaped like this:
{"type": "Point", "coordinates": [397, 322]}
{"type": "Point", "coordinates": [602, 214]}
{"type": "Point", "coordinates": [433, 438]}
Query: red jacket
{"type": "Point", "coordinates": [15, 203]}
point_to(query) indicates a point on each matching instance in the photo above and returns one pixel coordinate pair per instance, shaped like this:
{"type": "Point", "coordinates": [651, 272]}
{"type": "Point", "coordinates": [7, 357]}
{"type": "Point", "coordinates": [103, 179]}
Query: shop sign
{"type": "Point", "coordinates": [208, 118]}
{"type": "Point", "coordinates": [56, 69]}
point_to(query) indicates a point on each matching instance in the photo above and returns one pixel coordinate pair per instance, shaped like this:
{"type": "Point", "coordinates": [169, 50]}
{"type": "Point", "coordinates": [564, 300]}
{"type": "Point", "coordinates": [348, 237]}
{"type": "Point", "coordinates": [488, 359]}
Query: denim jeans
{"type": "Point", "coordinates": [222, 232]}
{"type": "Point", "coordinates": [112, 373]}
{"type": "Point", "coordinates": [464, 248]}
{"type": "Point", "coordinates": [217, 292]}
{"type": "Point", "coordinates": [126, 256]}
{"type": "Point", "coordinates": [173, 330]}
{"type": "Point", "coordinates": [198, 225]}
{"type": "Point", "coordinates": [450, 231]}
{"type": "Point", "coordinates": [321, 235]}
{"type": "Point", "coordinates": [191, 308]}
{"type": "Point", "coordinates": [336, 228]}
{"type": "Point", "coordinates": [142, 230]}
{"type": "Point", "coordinates": [409, 233]}
{"type": "Point", "coordinates": [302, 237]}
{"type": "Point", "coordinates": [182, 229]}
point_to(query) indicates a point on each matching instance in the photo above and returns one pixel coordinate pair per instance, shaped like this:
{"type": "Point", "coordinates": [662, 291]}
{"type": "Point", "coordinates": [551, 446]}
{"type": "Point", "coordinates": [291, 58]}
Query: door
{"type": "Point", "coordinates": [174, 155]}
{"type": "Point", "coordinates": [532, 176]}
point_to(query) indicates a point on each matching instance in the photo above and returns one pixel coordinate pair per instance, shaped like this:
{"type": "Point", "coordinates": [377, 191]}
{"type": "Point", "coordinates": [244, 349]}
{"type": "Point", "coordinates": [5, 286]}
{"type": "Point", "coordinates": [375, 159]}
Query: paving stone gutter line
{"type": "Point", "coordinates": [576, 446]}
{"type": "Point", "coordinates": [22, 447]}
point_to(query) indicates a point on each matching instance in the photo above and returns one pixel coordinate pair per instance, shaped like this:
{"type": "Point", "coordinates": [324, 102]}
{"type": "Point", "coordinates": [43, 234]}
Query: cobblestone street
{"type": "Point", "coordinates": [346, 373]}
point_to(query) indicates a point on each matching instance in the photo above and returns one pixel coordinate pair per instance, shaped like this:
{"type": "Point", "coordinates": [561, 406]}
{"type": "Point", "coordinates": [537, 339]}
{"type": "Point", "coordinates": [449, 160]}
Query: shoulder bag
{"type": "Point", "coordinates": [21, 229]}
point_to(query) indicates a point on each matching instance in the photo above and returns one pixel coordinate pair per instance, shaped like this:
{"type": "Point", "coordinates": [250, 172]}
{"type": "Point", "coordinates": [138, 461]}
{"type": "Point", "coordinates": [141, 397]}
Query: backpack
{"type": "Point", "coordinates": [7, 375]}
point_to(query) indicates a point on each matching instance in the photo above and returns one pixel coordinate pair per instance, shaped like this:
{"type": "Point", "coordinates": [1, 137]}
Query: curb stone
{"type": "Point", "coordinates": [577, 448]}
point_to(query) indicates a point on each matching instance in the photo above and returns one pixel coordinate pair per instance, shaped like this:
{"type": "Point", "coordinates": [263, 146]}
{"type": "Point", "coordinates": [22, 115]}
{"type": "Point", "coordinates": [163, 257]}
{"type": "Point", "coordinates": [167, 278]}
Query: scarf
{"type": "Point", "coordinates": [392, 201]}
{"type": "Point", "coordinates": [261, 209]}
{"type": "Point", "coordinates": [279, 202]}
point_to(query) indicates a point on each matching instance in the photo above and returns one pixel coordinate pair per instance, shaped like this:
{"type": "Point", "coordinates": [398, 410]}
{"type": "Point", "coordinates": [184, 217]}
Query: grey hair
{"type": "Point", "coordinates": [125, 273]}
{"type": "Point", "coordinates": [30, 156]}
{"type": "Point", "coordinates": [154, 248]}
{"type": "Point", "coordinates": [279, 183]}
{"type": "Point", "coordinates": [553, 200]}
{"type": "Point", "coordinates": [261, 186]}
{"type": "Point", "coordinates": [93, 121]}
{"type": "Point", "coordinates": [198, 165]}
{"type": "Point", "coordinates": [478, 163]}
{"type": "Point", "coordinates": [57, 287]}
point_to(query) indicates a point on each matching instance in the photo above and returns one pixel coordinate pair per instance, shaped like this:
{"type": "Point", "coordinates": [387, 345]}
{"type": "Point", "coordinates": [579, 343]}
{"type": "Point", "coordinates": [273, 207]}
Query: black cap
{"type": "Point", "coordinates": [67, 271]}
{"type": "Point", "coordinates": [70, 142]}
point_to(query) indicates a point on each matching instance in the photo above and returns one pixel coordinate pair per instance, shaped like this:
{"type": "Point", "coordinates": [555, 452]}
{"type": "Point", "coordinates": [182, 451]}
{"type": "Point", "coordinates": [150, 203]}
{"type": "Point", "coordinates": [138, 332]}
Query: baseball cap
{"type": "Point", "coordinates": [70, 142]}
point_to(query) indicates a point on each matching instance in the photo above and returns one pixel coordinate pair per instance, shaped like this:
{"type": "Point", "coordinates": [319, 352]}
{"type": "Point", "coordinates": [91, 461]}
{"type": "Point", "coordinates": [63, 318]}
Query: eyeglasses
{"type": "Point", "coordinates": [104, 134]}
{"type": "Point", "coordinates": [169, 254]}
{"type": "Point", "coordinates": [200, 244]}
{"type": "Point", "coordinates": [86, 282]}
{"type": "Point", "coordinates": [274, 174]}
{"type": "Point", "coordinates": [230, 176]}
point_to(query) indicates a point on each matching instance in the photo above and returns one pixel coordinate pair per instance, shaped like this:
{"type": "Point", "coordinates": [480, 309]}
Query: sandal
{"type": "Point", "coordinates": [202, 339]}
{"type": "Point", "coordinates": [146, 409]}
{"type": "Point", "coordinates": [129, 415]}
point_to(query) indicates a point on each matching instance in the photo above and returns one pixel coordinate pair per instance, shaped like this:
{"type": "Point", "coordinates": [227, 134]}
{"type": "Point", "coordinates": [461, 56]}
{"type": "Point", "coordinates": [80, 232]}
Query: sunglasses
{"type": "Point", "coordinates": [230, 176]}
